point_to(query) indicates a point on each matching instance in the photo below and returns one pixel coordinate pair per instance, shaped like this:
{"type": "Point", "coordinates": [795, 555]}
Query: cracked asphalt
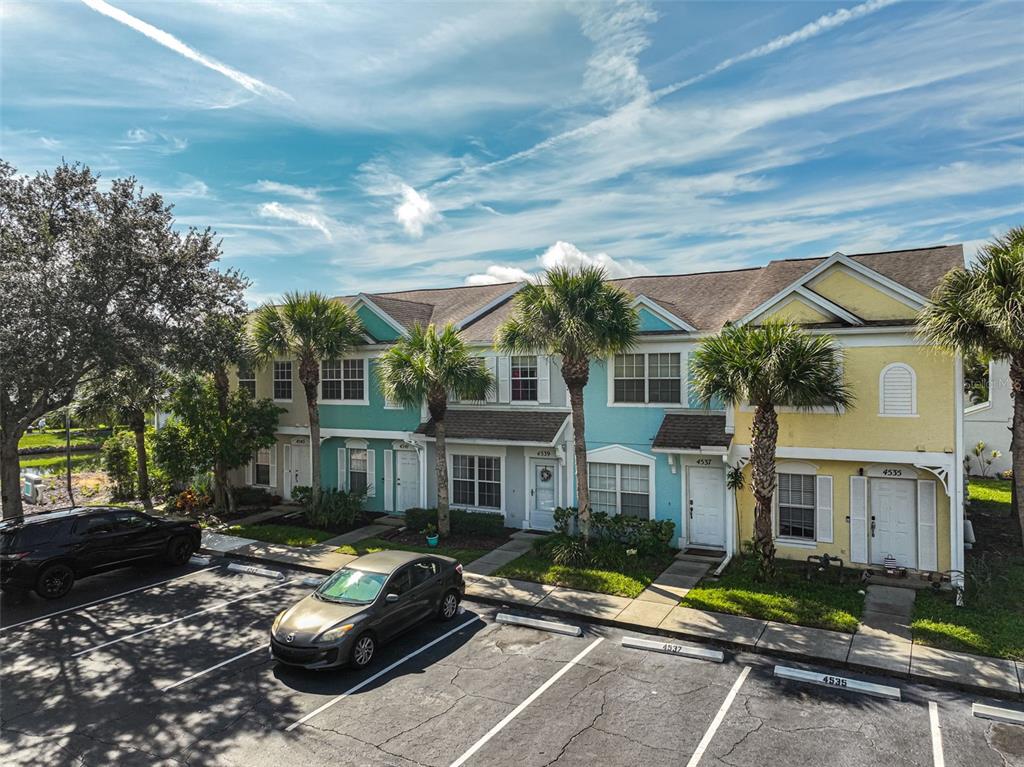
{"type": "Point", "coordinates": [614, 706]}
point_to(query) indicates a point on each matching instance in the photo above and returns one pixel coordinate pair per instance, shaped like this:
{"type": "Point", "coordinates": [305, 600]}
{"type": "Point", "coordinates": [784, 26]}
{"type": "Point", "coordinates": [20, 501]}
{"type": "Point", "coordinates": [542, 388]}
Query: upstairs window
{"type": "Point", "coordinates": [354, 379]}
{"type": "Point", "coordinates": [283, 380]}
{"type": "Point", "coordinates": [524, 379]}
{"type": "Point", "coordinates": [648, 378]}
{"type": "Point", "coordinates": [330, 376]}
{"type": "Point", "coordinates": [897, 394]}
{"type": "Point", "coordinates": [247, 381]}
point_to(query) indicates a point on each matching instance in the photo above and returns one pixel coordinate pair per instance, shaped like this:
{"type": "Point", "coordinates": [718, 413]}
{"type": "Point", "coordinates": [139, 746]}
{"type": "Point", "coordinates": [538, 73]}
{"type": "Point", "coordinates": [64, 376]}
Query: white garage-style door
{"type": "Point", "coordinates": [894, 521]}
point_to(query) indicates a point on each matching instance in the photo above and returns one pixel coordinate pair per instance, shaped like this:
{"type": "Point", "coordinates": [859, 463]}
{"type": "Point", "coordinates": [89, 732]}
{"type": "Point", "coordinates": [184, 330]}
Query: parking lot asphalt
{"type": "Point", "coordinates": [177, 672]}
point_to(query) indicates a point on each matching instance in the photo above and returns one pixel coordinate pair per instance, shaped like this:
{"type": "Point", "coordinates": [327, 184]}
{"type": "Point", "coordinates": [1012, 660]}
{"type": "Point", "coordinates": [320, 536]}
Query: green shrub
{"type": "Point", "coordinates": [650, 537]}
{"type": "Point", "coordinates": [119, 462]}
{"type": "Point", "coordinates": [334, 508]}
{"type": "Point", "coordinates": [569, 552]}
{"type": "Point", "coordinates": [463, 522]}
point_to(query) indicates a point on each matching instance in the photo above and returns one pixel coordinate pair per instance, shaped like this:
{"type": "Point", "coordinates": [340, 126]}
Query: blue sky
{"type": "Point", "coordinates": [378, 146]}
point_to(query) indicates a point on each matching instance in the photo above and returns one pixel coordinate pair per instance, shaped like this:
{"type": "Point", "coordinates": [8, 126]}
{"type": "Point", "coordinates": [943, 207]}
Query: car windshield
{"type": "Point", "coordinates": [348, 585]}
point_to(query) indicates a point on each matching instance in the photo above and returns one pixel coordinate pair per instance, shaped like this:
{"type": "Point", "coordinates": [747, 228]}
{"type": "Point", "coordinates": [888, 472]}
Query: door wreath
{"type": "Point", "coordinates": [545, 474]}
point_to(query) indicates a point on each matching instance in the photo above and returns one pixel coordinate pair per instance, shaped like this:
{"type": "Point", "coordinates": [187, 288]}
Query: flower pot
{"type": "Point", "coordinates": [431, 540]}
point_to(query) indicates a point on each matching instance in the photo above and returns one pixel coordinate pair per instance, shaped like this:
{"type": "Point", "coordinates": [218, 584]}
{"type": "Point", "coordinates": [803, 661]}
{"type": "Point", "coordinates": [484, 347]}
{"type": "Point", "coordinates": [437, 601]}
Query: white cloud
{"type": "Point", "coordinates": [275, 187]}
{"type": "Point", "coordinates": [415, 211]}
{"type": "Point", "coordinates": [305, 218]}
{"type": "Point", "coordinates": [158, 141]}
{"type": "Point", "coordinates": [560, 254]}
{"type": "Point", "coordinates": [168, 40]}
{"type": "Point", "coordinates": [618, 31]}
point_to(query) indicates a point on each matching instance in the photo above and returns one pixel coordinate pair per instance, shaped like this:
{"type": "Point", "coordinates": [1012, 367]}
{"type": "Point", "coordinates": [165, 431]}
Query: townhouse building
{"type": "Point", "coordinates": [881, 482]}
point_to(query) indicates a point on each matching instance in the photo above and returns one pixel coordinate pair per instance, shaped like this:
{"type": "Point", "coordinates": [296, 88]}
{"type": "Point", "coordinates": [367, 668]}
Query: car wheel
{"type": "Point", "coordinates": [55, 581]}
{"type": "Point", "coordinates": [449, 605]}
{"type": "Point", "coordinates": [363, 650]}
{"type": "Point", "coordinates": [178, 550]}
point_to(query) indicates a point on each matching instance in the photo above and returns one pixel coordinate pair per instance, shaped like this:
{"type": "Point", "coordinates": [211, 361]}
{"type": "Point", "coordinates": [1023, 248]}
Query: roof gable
{"type": "Point", "coordinates": [656, 318]}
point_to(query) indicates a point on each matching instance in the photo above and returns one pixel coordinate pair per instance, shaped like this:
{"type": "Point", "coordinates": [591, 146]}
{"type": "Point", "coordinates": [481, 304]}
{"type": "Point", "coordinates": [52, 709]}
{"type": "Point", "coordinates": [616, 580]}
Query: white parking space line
{"type": "Point", "coordinates": [717, 721]}
{"type": "Point", "coordinates": [177, 620]}
{"type": "Point", "coordinates": [107, 599]}
{"type": "Point", "coordinates": [198, 674]}
{"type": "Point", "coordinates": [378, 675]}
{"type": "Point", "coordinates": [519, 709]}
{"type": "Point", "coordinates": [933, 717]}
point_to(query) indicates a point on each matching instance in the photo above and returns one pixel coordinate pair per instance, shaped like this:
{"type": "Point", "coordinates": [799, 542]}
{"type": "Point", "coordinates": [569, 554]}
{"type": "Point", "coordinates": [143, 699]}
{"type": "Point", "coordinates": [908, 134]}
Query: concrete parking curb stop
{"type": "Point", "coordinates": [700, 653]}
{"type": "Point", "coordinates": [838, 682]}
{"type": "Point", "coordinates": [251, 570]}
{"type": "Point", "coordinates": [997, 714]}
{"type": "Point", "coordinates": [534, 623]}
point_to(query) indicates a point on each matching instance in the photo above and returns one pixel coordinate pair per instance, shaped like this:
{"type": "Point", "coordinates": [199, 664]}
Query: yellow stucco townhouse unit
{"type": "Point", "coordinates": [881, 482]}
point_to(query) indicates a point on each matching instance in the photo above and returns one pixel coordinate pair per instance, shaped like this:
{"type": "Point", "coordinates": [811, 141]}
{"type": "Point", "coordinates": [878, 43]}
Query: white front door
{"type": "Point", "coordinates": [296, 468]}
{"type": "Point", "coordinates": [544, 496]}
{"type": "Point", "coordinates": [407, 479]}
{"type": "Point", "coordinates": [706, 506]}
{"type": "Point", "coordinates": [894, 521]}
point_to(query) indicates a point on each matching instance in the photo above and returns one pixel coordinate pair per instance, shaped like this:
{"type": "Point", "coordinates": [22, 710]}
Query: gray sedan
{"type": "Point", "coordinates": [367, 602]}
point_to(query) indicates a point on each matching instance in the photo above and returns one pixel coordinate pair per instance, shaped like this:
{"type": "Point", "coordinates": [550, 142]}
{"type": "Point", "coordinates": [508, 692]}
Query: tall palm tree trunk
{"type": "Point", "coordinates": [764, 435]}
{"type": "Point", "coordinates": [309, 374]}
{"type": "Point", "coordinates": [138, 424]}
{"type": "Point", "coordinates": [1017, 440]}
{"type": "Point", "coordinates": [444, 523]}
{"type": "Point", "coordinates": [576, 373]}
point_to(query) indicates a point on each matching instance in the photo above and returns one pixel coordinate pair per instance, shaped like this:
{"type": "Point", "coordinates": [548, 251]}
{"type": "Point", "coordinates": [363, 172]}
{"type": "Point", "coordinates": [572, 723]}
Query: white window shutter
{"type": "Point", "coordinates": [371, 474]}
{"type": "Point", "coordinates": [389, 480]}
{"type": "Point", "coordinates": [249, 471]}
{"type": "Point", "coordinates": [342, 470]}
{"type": "Point", "coordinates": [273, 465]}
{"type": "Point", "coordinates": [504, 379]}
{"type": "Point", "coordinates": [859, 520]}
{"type": "Point", "coordinates": [543, 379]}
{"type": "Point", "coordinates": [927, 547]}
{"type": "Point", "coordinates": [823, 510]}
{"type": "Point", "coordinates": [492, 368]}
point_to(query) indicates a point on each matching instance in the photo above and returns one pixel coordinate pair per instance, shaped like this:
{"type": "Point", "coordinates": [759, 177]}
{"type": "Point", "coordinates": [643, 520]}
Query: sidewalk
{"type": "Point", "coordinates": [881, 646]}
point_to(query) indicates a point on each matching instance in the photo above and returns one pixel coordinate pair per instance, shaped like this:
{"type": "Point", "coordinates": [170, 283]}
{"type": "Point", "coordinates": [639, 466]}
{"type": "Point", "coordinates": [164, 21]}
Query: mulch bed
{"type": "Point", "coordinates": [453, 541]}
{"type": "Point", "coordinates": [299, 520]}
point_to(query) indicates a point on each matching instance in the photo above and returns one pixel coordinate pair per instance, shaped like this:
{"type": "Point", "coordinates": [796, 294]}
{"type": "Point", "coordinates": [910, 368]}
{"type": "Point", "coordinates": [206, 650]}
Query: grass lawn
{"type": "Point", "coordinates": [286, 534]}
{"type": "Point", "coordinates": [50, 464]}
{"type": "Point", "coordinates": [535, 567]}
{"type": "Point", "coordinates": [789, 599]}
{"type": "Point", "coordinates": [370, 545]}
{"type": "Point", "coordinates": [56, 439]}
{"type": "Point", "coordinates": [992, 621]}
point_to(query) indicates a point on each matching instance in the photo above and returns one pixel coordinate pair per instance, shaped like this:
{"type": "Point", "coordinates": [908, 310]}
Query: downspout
{"type": "Point", "coordinates": [956, 503]}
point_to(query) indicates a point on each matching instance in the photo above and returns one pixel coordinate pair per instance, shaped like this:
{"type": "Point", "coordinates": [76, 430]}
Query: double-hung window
{"type": "Point", "coordinates": [283, 380]}
{"type": "Point", "coordinates": [620, 489]}
{"type": "Point", "coordinates": [796, 494]}
{"type": "Point", "coordinates": [247, 381]}
{"type": "Point", "coordinates": [476, 481]}
{"type": "Point", "coordinates": [648, 378]}
{"type": "Point", "coordinates": [357, 474]}
{"type": "Point", "coordinates": [353, 379]}
{"type": "Point", "coordinates": [524, 379]}
{"type": "Point", "coordinates": [261, 467]}
{"type": "Point", "coordinates": [330, 380]}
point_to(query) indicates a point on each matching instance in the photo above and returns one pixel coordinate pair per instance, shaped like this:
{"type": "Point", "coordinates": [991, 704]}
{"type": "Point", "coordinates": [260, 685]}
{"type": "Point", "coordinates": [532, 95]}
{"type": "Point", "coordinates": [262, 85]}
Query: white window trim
{"type": "Point", "coordinates": [239, 380]}
{"type": "Point", "coordinates": [684, 389]}
{"type": "Point", "coordinates": [477, 451]}
{"type": "Point", "coordinates": [511, 380]}
{"type": "Point", "coordinates": [271, 451]}
{"type": "Point", "coordinates": [366, 383]}
{"type": "Point", "coordinates": [618, 486]}
{"type": "Point", "coordinates": [913, 391]}
{"type": "Point", "coordinates": [621, 455]}
{"type": "Point", "coordinates": [274, 379]}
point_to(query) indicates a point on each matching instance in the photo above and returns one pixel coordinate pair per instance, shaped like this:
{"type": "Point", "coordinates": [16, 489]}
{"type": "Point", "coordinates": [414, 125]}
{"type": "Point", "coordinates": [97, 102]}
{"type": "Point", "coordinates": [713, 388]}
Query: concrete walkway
{"type": "Point", "coordinates": [501, 556]}
{"type": "Point", "coordinates": [884, 639]}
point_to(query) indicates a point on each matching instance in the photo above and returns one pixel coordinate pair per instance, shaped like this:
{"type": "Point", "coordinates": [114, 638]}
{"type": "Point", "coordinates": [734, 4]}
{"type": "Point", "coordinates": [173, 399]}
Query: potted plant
{"type": "Point", "coordinates": [431, 533]}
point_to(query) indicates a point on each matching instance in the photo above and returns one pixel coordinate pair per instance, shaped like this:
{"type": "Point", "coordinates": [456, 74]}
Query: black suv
{"type": "Point", "coordinates": [48, 551]}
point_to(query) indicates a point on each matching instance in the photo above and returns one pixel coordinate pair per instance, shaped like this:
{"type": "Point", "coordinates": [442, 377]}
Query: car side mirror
{"type": "Point", "coordinates": [391, 598]}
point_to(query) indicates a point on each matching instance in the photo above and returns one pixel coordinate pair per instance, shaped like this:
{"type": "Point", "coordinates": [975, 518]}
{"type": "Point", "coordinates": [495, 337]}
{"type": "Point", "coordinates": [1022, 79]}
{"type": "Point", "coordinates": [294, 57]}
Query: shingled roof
{"type": "Point", "coordinates": [707, 300]}
{"type": "Point", "coordinates": [537, 426]}
{"type": "Point", "coordinates": [692, 431]}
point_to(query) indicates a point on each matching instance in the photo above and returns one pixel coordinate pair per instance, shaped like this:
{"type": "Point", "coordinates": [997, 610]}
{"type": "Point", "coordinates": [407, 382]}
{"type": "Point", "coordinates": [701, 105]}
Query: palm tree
{"type": "Point", "coordinates": [309, 328]}
{"type": "Point", "coordinates": [579, 316]}
{"type": "Point", "coordinates": [980, 310]}
{"type": "Point", "coordinates": [769, 365]}
{"type": "Point", "coordinates": [126, 395]}
{"type": "Point", "coordinates": [435, 368]}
